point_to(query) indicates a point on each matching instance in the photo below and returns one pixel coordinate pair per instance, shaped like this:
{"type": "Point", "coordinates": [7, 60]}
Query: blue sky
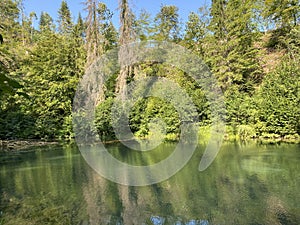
{"type": "Point", "coordinates": [76, 6]}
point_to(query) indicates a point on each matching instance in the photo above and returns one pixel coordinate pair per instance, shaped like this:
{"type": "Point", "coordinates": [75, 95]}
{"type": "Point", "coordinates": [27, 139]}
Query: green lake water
{"type": "Point", "coordinates": [246, 184]}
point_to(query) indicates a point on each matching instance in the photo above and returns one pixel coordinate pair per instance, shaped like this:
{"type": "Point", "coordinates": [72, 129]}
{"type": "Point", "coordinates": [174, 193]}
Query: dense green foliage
{"type": "Point", "coordinates": [279, 101]}
{"type": "Point", "coordinates": [258, 72]}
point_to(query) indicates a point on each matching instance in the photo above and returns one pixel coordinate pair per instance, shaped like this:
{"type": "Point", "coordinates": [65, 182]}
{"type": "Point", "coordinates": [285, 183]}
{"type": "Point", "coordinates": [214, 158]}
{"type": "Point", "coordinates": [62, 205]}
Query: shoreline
{"type": "Point", "coordinates": [23, 144]}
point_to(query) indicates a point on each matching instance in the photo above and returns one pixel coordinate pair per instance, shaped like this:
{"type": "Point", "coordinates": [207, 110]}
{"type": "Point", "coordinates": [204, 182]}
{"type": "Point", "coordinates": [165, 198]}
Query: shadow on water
{"type": "Point", "coordinates": [247, 184]}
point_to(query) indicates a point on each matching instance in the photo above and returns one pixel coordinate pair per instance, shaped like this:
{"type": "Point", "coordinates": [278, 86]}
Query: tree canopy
{"type": "Point", "coordinates": [256, 66]}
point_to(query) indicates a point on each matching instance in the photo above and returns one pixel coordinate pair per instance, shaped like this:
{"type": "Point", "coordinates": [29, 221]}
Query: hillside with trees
{"type": "Point", "coordinates": [251, 47]}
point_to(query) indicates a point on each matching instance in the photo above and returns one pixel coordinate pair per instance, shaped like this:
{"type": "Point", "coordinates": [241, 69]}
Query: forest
{"type": "Point", "coordinates": [251, 47]}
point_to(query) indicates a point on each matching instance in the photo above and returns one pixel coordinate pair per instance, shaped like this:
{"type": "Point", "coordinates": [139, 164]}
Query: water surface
{"type": "Point", "coordinates": [246, 184]}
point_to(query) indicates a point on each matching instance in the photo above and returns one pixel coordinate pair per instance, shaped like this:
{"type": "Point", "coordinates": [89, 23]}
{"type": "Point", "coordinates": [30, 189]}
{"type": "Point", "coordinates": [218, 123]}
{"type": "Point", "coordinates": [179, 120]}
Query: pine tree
{"type": "Point", "coordinates": [278, 100]}
{"type": "Point", "coordinates": [167, 24]}
{"type": "Point", "coordinates": [142, 25]}
{"type": "Point", "coordinates": [46, 22]}
{"type": "Point", "coordinates": [52, 73]}
{"type": "Point", "coordinates": [231, 54]}
{"type": "Point", "coordinates": [28, 29]}
{"type": "Point", "coordinates": [64, 18]}
{"type": "Point", "coordinates": [9, 30]}
{"type": "Point", "coordinates": [196, 31]}
{"type": "Point", "coordinates": [107, 29]}
{"type": "Point", "coordinates": [80, 27]}
{"type": "Point", "coordinates": [11, 56]}
{"type": "Point", "coordinates": [285, 13]}
{"type": "Point", "coordinates": [218, 18]}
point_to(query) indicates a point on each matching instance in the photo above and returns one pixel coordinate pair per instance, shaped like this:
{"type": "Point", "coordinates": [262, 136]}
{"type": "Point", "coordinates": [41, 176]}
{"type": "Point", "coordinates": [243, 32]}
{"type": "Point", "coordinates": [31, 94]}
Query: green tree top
{"type": "Point", "coordinates": [167, 21]}
{"type": "Point", "coordinates": [285, 13]}
{"type": "Point", "coordinates": [64, 18]}
{"type": "Point", "coordinates": [46, 22]}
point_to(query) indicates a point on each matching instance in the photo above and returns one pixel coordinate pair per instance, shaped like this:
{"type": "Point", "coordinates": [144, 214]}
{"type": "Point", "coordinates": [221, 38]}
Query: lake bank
{"type": "Point", "coordinates": [19, 145]}
{"type": "Point", "coordinates": [24, 145]}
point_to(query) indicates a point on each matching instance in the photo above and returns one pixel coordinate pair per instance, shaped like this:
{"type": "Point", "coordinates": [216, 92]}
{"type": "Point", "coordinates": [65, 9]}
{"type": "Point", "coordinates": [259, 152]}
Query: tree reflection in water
{"type": "Point", "coordinates": [245, 185]}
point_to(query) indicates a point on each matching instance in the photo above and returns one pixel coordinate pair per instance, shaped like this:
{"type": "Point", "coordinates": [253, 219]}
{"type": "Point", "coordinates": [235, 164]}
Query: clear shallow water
{"type": "Point", "coordinates": [246, 184]}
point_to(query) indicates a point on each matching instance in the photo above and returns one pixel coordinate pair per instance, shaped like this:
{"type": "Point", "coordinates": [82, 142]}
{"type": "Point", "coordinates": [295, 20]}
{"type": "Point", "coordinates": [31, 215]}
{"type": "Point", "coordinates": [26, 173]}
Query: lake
{"type": "Point", "coordinates": [246, 184]}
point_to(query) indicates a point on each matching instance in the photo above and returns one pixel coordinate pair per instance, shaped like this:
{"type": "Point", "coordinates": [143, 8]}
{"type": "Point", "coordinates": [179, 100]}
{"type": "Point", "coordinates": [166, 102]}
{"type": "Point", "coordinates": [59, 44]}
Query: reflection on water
{"type": "Point", "coordinates": [156, 220]}
{"type": "Point", "coordinates": [250, 184]}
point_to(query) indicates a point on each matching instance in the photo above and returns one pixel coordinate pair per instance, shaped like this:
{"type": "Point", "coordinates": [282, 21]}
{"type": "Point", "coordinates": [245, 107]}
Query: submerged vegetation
{"type": "Point", "coordinates": [251, 47]}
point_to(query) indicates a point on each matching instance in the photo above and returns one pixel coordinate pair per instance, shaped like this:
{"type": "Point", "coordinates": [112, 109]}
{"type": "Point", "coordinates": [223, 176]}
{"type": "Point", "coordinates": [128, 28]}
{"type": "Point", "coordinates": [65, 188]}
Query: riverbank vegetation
{"type": "Point", "coordinates": [251, 47]}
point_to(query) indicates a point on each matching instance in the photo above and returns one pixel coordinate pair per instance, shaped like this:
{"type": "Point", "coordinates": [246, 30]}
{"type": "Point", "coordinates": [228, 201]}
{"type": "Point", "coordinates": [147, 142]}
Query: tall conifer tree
{"type": "Point", "coordinates": [64, 18]}
{"type": "Point", "coordinates": [231, 53]}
